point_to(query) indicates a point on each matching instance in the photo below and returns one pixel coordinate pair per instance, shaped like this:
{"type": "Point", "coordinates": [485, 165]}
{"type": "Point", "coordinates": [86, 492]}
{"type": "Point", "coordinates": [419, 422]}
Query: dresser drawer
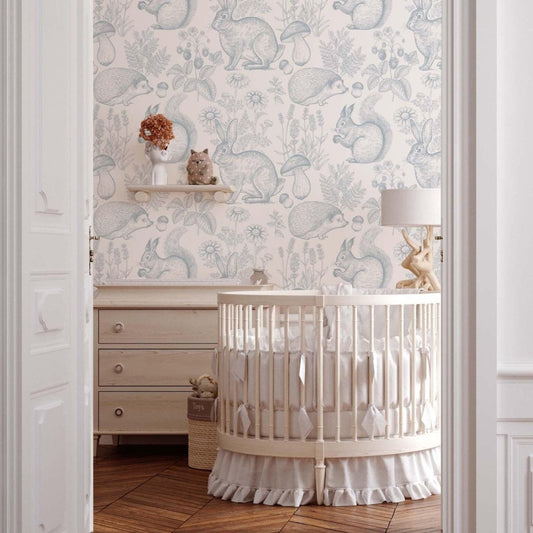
{"type": "Point", "coordinates": [161, 326]}
{"type": "Point", "coordinates": [142, 412]}
{"type": "Point", "coordinates": [151, 367]}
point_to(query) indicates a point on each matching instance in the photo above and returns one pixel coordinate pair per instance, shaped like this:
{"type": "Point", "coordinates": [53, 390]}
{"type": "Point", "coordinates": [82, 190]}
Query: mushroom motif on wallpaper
{"type": "Point", "coordinates": [295, 33]}
{"type": "Point", "coordinates": [296, 166]}
{"type": "Point", "coordinates": [102, 165]}
{"type": "Point", "coordinates": [102, 33]}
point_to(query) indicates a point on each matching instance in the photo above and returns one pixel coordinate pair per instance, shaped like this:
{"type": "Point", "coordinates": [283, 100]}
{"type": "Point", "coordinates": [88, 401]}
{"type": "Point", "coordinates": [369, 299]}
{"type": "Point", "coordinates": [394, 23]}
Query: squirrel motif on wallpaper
{"type": "Point", "coordinates": [370, 271]}
{"type": "Point", "coordinates": [368, 141]}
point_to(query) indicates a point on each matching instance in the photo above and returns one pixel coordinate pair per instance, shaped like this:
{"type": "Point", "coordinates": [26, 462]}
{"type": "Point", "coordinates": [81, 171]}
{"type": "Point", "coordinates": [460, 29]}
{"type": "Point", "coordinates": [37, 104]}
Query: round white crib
{"type": "Point", "coordinates": [333, 399]}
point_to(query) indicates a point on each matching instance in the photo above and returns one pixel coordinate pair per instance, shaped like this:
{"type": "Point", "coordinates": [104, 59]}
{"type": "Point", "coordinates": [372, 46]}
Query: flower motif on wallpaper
{"type": "Point", "coordinates": [389, 176]}
{"type": "Point", "coordinates": [302, 270]}
{"type": "Point", "coordinates": [403, 117]}
{"type": "Point", "coordinates": [195, 73]}
{"type": "Point", "coordinates": [390, 73]}
{"type": "Point", "coordinates": [311, 12]}
{"type": "Point", "coordinates": [306, 136]}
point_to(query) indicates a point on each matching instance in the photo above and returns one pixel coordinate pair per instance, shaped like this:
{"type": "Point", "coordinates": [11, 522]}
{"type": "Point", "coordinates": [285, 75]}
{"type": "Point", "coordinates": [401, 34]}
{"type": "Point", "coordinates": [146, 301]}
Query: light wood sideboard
{"type": "Point", "coordinates": [149, 340]}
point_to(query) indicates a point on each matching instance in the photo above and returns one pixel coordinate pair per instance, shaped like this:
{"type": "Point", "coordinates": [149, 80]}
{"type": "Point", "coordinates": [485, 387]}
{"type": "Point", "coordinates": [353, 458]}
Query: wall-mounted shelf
{"type": "Point", "coordinates": [221, 193]}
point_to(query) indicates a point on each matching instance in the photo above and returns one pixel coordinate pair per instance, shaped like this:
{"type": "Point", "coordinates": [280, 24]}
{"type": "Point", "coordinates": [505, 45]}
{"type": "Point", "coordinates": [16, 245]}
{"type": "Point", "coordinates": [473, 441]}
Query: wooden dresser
{"type": "Point", "coordinates": [148, 341]}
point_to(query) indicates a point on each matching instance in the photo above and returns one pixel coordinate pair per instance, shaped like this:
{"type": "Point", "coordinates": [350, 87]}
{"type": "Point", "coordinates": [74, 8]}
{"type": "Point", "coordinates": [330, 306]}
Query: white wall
{"type": "Point", "coordinates": [515, 257]}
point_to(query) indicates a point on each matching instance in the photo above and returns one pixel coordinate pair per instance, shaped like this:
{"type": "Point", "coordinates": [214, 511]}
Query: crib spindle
{"type": "Point", "coordinates": [271, 317]}
{"type": "Point", "coordinates": [286, 355]}
{"type": "Point", "coordinates": [301, 318]}
{"type": "Point", "coordinates": [413, 371]}
{"type": "Point", "coordinates": [228, 373]}
{"type": "Point", "coordinates": [424, 354]}
{"type": "Point", "coordinates": [256, 376]}
{"type": "Point", "coordinates": [355, 342]}
{"type": "Point", "coordinates": [400, 375]}
{"type": "Point", "coordinates": [245, 326]}
{"type": "Point", "coordinates": [337, 373]}
{"type": "Point", "coordinates": [320, 376]}
{"type": "Point", "coordinates": [371, 364]}
{"type": "Point", "coordinates": [235, 360]}
{"type": "Point", "coordinates": [386, 362]}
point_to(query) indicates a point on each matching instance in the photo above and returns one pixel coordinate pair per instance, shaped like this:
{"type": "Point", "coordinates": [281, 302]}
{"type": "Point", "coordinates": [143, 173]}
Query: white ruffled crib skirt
{"type": "Point", "coordinates": [352, 481]}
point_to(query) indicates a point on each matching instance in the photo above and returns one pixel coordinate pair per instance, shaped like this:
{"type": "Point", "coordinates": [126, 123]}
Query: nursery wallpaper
{"type": "Point", "coordinates": [309, 108]}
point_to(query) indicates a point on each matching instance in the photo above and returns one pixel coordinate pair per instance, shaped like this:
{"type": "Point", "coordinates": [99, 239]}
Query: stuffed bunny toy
{"type": "Point", "coordinates": [427, 165]}
{"type": "Point", "coordinates": [204, 387]}
{"type": "Point", "coordinates": [249, 39]}
{"type": "Point", "coordinates": [428, 37]}
{"type": "Point", "coordinates": [250, 172]}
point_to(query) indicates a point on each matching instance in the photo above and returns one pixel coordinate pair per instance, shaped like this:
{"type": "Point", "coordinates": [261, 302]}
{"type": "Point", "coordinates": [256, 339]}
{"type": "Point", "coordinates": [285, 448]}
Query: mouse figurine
{"type": "Point", "coordinates": [200, 169]}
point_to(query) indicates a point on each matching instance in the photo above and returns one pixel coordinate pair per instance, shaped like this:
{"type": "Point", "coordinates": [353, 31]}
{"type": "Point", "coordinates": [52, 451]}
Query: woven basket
{"type": "Point", "coordinates": [202, 433]}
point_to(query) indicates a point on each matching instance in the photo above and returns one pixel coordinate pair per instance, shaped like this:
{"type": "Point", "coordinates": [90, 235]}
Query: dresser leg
{"type": "Point", "coordinates": [115, 439]}
{"type": "Point", "coordinates": [96, 440]}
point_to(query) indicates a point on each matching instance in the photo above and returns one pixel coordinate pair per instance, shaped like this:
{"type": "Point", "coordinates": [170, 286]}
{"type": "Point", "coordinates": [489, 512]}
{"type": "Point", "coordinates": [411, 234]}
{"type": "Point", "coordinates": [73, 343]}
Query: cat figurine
{"type": "Point", "coordinates": [200, 169]}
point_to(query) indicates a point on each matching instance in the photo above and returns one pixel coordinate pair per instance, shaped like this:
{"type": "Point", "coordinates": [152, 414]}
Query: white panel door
{"type": "Point", "coordinates": [56, 297]}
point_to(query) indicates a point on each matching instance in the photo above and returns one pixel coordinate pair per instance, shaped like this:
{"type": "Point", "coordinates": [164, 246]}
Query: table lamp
{"type": "Point", "coordinates": [412, 208]}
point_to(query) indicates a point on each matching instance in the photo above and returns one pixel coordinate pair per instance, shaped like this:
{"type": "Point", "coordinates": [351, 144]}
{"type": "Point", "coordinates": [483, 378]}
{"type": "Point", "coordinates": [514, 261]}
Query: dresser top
{"type": "Point", "coordinates": [169, 295]}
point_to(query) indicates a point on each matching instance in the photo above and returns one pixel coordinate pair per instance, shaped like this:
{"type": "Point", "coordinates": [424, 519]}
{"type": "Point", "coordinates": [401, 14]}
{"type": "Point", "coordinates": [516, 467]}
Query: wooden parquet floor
{"type": "Point", "coordinates": [148, 489]}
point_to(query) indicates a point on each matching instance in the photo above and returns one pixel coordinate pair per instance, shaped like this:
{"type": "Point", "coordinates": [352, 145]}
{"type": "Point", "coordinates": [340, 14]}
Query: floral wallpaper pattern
{"type": "Point", "coordinates": [309, 108]}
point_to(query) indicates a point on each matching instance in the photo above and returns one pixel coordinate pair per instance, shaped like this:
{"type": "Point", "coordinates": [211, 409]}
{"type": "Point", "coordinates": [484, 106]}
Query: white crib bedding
{"type": "Point", "coordinates": [349, 481]}
{"type": "Point", "coordinates": [302, 391]}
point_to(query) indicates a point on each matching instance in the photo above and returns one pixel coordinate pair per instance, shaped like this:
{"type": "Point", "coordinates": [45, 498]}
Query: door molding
{"type": "Point", "coordinates": [10, 253]}
{"type": "Point", "coordinates": [470, 268]}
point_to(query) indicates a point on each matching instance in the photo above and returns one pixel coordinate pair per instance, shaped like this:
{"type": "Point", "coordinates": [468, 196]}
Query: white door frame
{"type": "Point", "coordinates": [14, 303]}
{"type": "Point", "coordinates": [469, 377]}
{"type": "Point", "coordinates": [470, 268]}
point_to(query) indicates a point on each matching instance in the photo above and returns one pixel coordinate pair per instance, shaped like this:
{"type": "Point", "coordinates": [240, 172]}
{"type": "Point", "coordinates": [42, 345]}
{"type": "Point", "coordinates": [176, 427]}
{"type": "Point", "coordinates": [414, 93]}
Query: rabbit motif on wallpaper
{"type": "Point", "coordinates": [365, 14]}
{"type": "Point", "coordinates": [250, 39]}
{"type": "Point", "coordinates": [250, 172]}
{"type": "Point", "coordinates": [427, 32]}
{"type": "Point", "coordinates": [368, 141]}
{"type": "Point", "coordinates": [426, 164]}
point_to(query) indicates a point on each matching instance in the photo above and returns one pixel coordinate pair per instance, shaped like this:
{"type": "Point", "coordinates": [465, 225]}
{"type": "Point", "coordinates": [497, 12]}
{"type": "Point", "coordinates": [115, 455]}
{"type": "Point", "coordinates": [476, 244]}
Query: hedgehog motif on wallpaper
{"type": "Point", "coordinates": [314, 86]}
{"type": "Point", "coordinates": [119, 86]}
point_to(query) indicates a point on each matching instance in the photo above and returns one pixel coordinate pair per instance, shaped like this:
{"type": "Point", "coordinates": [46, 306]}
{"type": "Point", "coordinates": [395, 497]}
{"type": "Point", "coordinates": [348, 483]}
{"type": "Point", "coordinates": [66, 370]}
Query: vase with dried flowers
{"type": "Point", "coordinates": [156, 130]}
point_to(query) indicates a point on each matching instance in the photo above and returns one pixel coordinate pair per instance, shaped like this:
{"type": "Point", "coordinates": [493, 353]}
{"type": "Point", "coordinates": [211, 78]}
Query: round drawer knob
{"type": "Point", "coordinates": [119, 367]}
{"type": "Point", "coordinates": [118, 327]}
{"type": "Point", "coordinates": [119, 411]}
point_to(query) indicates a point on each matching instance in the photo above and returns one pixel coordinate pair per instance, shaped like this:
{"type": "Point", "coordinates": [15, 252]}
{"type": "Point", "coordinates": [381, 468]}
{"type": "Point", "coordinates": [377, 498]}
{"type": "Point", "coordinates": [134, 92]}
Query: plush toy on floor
{"type": "Point", "coordinates": [204, 387]}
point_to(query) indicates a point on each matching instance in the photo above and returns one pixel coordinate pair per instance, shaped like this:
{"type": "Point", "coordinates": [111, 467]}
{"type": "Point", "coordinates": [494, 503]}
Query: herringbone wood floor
{"type": "Point", "coordinates": [151, 490]}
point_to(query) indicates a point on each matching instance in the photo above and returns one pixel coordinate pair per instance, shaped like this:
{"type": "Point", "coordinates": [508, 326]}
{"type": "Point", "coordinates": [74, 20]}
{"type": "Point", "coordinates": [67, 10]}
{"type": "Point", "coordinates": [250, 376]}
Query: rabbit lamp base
{"type": "Point", "coordinates": [420, 263]}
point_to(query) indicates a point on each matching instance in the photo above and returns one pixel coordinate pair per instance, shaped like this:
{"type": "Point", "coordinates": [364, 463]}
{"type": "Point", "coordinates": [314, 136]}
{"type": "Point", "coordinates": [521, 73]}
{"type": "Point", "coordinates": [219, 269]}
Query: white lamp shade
{"type": "Point", "coordinates": [410, 207]}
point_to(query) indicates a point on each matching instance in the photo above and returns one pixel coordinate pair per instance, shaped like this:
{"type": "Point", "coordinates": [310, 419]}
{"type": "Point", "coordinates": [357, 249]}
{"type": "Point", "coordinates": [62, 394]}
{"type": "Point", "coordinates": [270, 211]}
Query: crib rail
{"type": "Point", "coordinates": [303, 374]}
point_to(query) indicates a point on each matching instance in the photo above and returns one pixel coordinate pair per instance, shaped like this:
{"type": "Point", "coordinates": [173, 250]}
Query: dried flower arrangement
{"type": "Point", "coordinates": [157, 129]}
